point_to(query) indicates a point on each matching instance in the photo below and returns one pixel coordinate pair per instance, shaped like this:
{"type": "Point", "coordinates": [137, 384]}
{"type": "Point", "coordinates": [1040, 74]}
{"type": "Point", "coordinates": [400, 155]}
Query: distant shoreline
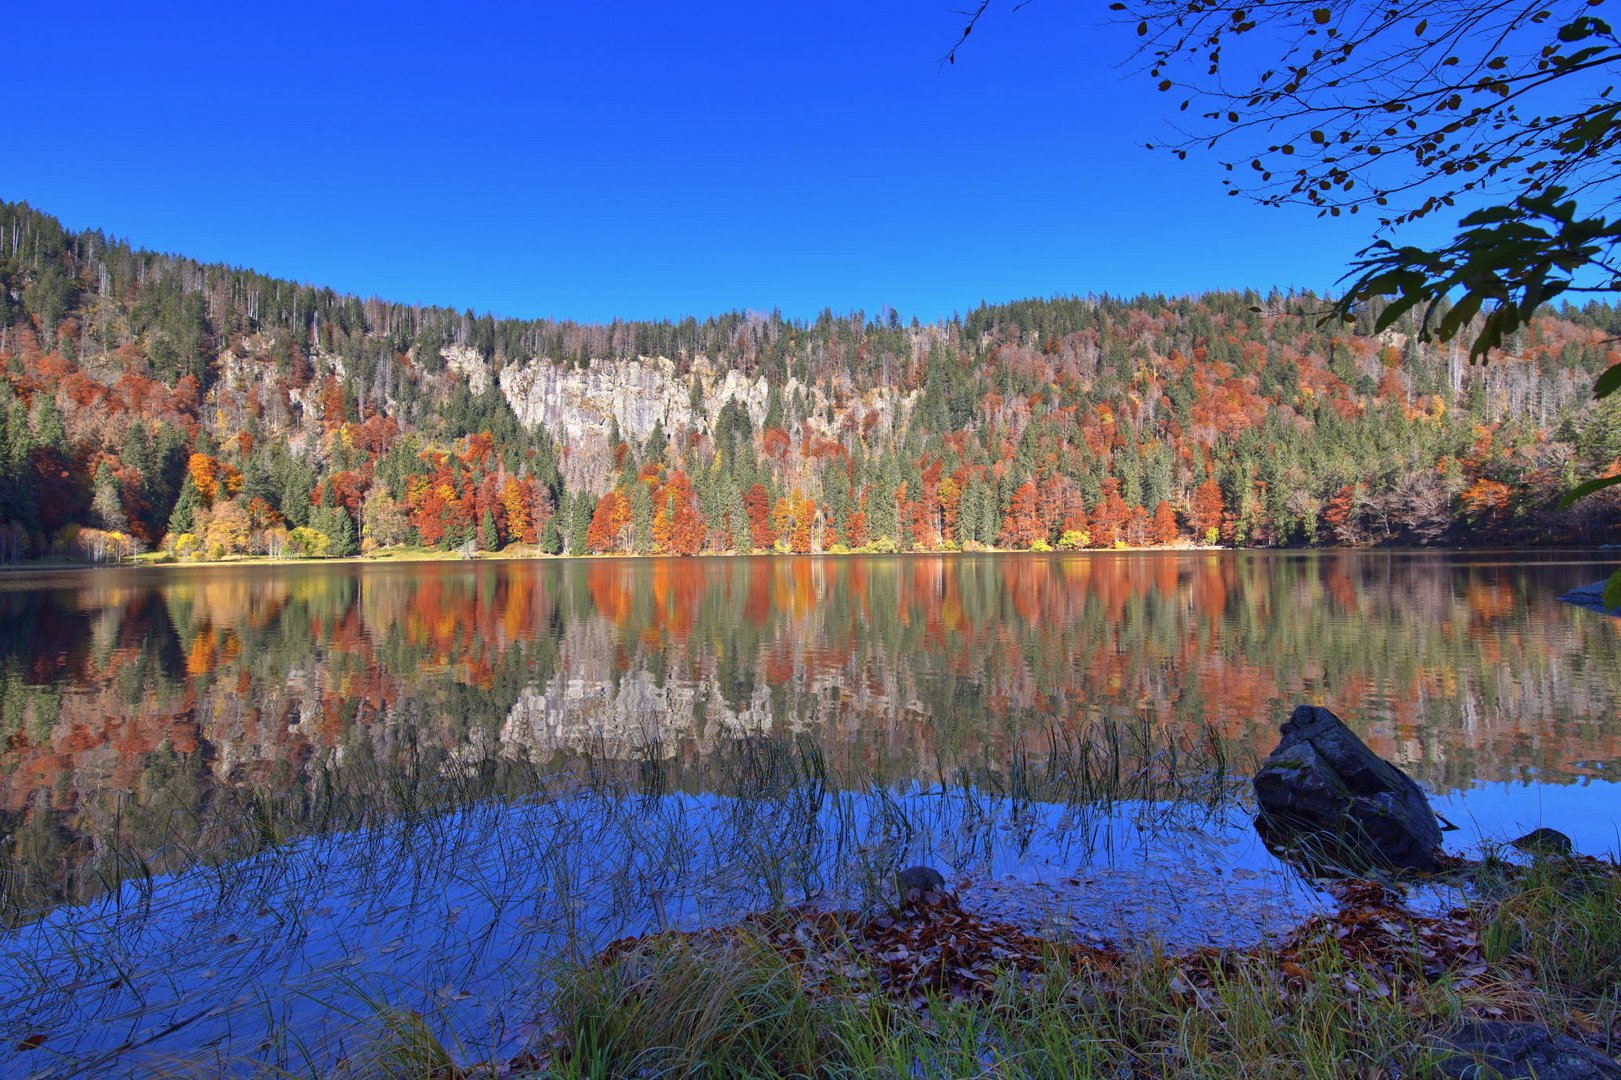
{"type": "Point", "coordinates": [430, 556]}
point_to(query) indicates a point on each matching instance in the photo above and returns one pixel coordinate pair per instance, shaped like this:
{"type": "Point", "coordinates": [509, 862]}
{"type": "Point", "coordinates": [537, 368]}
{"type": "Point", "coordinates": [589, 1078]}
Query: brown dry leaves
{"type": "Point", "coordinates": [926, 948]}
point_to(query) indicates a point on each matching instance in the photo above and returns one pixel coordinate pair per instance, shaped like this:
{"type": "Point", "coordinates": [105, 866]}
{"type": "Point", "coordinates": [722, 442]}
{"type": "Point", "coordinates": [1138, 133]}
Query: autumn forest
{"type": "Point", "coordinates": [153, 405]}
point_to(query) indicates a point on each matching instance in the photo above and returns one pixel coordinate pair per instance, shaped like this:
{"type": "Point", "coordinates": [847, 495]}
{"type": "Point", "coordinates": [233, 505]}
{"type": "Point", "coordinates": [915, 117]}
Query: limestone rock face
{"type": "Point", "coordinates": [1327, 799]}
{"type": "Point", "coordinates": [579, 406]}
{"type": "Point", "coordinates": [578, 403]}
{"type": "Point", "coordinates": [470, 364]}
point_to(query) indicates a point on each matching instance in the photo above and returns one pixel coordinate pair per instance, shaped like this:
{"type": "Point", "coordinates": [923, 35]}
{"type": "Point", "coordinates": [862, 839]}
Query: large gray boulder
{"type": "Point", "coordinates": [1329, 801]}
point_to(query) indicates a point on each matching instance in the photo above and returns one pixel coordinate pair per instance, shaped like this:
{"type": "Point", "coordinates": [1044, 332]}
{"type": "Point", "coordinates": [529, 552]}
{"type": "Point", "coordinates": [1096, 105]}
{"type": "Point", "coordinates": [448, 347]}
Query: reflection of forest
{"type": "Point", "coordinates": [118, 686]}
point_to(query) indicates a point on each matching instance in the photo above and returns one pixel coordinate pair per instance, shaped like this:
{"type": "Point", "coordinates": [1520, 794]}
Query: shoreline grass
{"type": "Point", "coordinates": [1373, 991]}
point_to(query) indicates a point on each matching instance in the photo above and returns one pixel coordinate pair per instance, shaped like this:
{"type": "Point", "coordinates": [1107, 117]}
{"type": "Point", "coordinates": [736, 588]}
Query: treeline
{"type": "Point", "coordinates": [152, 402]}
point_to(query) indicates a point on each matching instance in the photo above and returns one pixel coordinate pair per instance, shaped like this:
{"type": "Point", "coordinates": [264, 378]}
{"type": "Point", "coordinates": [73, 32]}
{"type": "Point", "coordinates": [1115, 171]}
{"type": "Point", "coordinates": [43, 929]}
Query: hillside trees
{"type": "Point", "coordinates": [1410, 110]}
{"type": "Point", "coordinates": [1065, 422]}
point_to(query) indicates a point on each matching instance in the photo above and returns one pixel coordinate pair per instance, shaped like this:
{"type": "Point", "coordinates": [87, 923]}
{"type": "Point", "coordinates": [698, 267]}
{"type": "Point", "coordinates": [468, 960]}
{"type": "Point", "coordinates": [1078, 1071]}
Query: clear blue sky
{"type": "Point", "coordinates": [597, 159]}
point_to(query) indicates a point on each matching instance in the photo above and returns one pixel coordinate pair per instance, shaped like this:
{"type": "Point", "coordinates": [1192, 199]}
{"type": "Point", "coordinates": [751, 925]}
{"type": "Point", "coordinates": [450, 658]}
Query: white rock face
{"type": "Point", "coordinates": [579, 406]}
{"type": "Point", "coordinates": [580, 403]}
{"type": "Point", "coordinates": [470, 364]}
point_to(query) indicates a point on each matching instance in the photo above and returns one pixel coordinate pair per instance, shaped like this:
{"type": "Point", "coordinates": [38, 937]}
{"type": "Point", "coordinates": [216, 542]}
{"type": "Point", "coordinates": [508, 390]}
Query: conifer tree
{"type": "Point", "coordinates": [345, 543]}
{"type": "Point", "coordinates": [641, 518]}
{"type": "Point", "coordinates": [580, 527]}
{"type": "Point", "coordinates": [551, 539]}
{"type": "Point", "coordinates": [183, 518]}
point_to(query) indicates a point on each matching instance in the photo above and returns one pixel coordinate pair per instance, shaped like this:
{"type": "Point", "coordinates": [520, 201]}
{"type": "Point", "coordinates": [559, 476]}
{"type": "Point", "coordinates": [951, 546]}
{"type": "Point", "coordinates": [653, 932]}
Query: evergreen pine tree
{"type": "Point", "coordinates": [16, 496]}
{"type": "Point", "coordinates": [883, 517]}
{"type": "Point", "coordinates": [581, 525]}
{"type": "Point", "coordinates": [183, 518]}
{"type": "Point", "coordinates": [49, 430]}
{"type": "Point", "coordinates": [988, 518]}
{"type": "Point", "coordinates": [653, 449]}
{"type": "Point", "coordinates": [641, 519]}
{"type": "Point", "coordinates": [773, 407]}
{"type": "Point", "coordinates": [968, 512]}
{"type": "Point", "coordinates": [341, 529]}
{"type": "Point", "coordinates": [488, 539]}
{"type": "Point", "coordinates": [551, 538]}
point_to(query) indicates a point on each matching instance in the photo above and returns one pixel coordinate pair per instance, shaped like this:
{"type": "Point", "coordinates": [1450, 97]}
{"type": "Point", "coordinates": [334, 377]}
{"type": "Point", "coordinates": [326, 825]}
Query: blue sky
{"type": "Point", "coordinates": [600, 159]}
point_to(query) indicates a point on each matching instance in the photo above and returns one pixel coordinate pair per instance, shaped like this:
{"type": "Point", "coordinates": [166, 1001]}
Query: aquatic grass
{"type": "Point", "coordinates": [718, 1008]}
{"type": "Point", "coordinates": [782, 780]}
{"type": "Point", "coordinates": [566, 853]}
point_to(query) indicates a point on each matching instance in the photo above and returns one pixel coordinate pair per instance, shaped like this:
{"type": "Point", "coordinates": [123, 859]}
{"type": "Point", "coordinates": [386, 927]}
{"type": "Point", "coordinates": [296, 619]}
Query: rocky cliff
{"type": "Point", "coordinates": [579, 406]}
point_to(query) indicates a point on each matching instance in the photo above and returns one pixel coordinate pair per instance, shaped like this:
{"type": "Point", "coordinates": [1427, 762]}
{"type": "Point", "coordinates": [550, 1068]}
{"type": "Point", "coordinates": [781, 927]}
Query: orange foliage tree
{"type": "Point", "coordinates": [1485, 500]}
{"type": "Point", "coordinates": [678, 526]}
{"type": "Point", "coordinates": [1163, 529]}
{"type": "Point", "coordinates": [515, 503]}
{"type": "Point", "coordinates": [1110, 517]}
{"type": "Point", "coordinates": [1021, 526]}
{"type": "Point", "coordinates": [756, 503]}
{"type": "Point", "coordinates": [1204, 516]}
{"type": "Point", "coordinates": [855, 529]}
{"type": "Point", "coordinates": [608, 522]}
{"type": "Point", "coordinates": [804, 516]}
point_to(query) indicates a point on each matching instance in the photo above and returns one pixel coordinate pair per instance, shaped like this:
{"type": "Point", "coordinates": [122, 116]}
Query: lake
{"type": "Point", "coordinates": [308, 765]}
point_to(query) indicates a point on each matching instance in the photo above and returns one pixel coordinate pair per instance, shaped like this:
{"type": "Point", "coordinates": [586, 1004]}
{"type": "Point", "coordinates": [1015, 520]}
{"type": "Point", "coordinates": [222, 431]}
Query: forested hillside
{"type": "Point", "coordinates": [150, 402]}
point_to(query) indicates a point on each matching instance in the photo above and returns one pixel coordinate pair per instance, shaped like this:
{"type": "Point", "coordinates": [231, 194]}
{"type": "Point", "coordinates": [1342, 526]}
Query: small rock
{"type": "Point", "coordinates": [916, 882]}
{"type": "Point", "coordinates": [1482, 1049]}
{"type": "Point", "coordinates": [1543, 842]}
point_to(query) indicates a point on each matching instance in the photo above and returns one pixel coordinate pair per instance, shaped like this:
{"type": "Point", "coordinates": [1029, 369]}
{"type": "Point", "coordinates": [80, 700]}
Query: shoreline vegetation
{"type": "Point", "coordinates": [1522, 981]}
{"type": "Point", "coordinates": [528, 553]}
{"type": "Point", "coordinates": [523, 553]}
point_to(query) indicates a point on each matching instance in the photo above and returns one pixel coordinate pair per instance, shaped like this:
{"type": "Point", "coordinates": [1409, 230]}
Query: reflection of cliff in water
{"type": "Point", "coordinates": [125, 695]}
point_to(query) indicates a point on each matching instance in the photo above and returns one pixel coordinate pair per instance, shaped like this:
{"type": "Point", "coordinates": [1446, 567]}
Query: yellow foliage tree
{"type": "Point", "coordinates": [228, 529]}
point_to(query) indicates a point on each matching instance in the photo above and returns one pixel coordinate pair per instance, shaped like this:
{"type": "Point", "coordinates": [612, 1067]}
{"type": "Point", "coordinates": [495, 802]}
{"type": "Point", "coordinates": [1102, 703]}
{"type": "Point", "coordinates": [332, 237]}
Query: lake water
{"type": "Point", "coordinates": [379, 779]}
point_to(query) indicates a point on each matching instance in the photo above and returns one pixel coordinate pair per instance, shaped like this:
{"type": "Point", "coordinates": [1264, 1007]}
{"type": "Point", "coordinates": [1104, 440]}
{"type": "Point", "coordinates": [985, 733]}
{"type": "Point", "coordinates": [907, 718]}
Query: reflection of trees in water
{"type": "Point", "coordinates": [133, 698]}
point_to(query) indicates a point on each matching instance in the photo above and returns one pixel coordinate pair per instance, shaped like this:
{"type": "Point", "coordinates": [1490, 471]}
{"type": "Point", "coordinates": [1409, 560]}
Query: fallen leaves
{"type": "Point", "coordinates": [908, 953]}
{"type": "Point", "coordinates": [923, 948]}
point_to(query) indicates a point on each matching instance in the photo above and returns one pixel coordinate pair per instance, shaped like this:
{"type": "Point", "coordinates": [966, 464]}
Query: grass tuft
{"type": "Point", "coordinates": [673, 1007]}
